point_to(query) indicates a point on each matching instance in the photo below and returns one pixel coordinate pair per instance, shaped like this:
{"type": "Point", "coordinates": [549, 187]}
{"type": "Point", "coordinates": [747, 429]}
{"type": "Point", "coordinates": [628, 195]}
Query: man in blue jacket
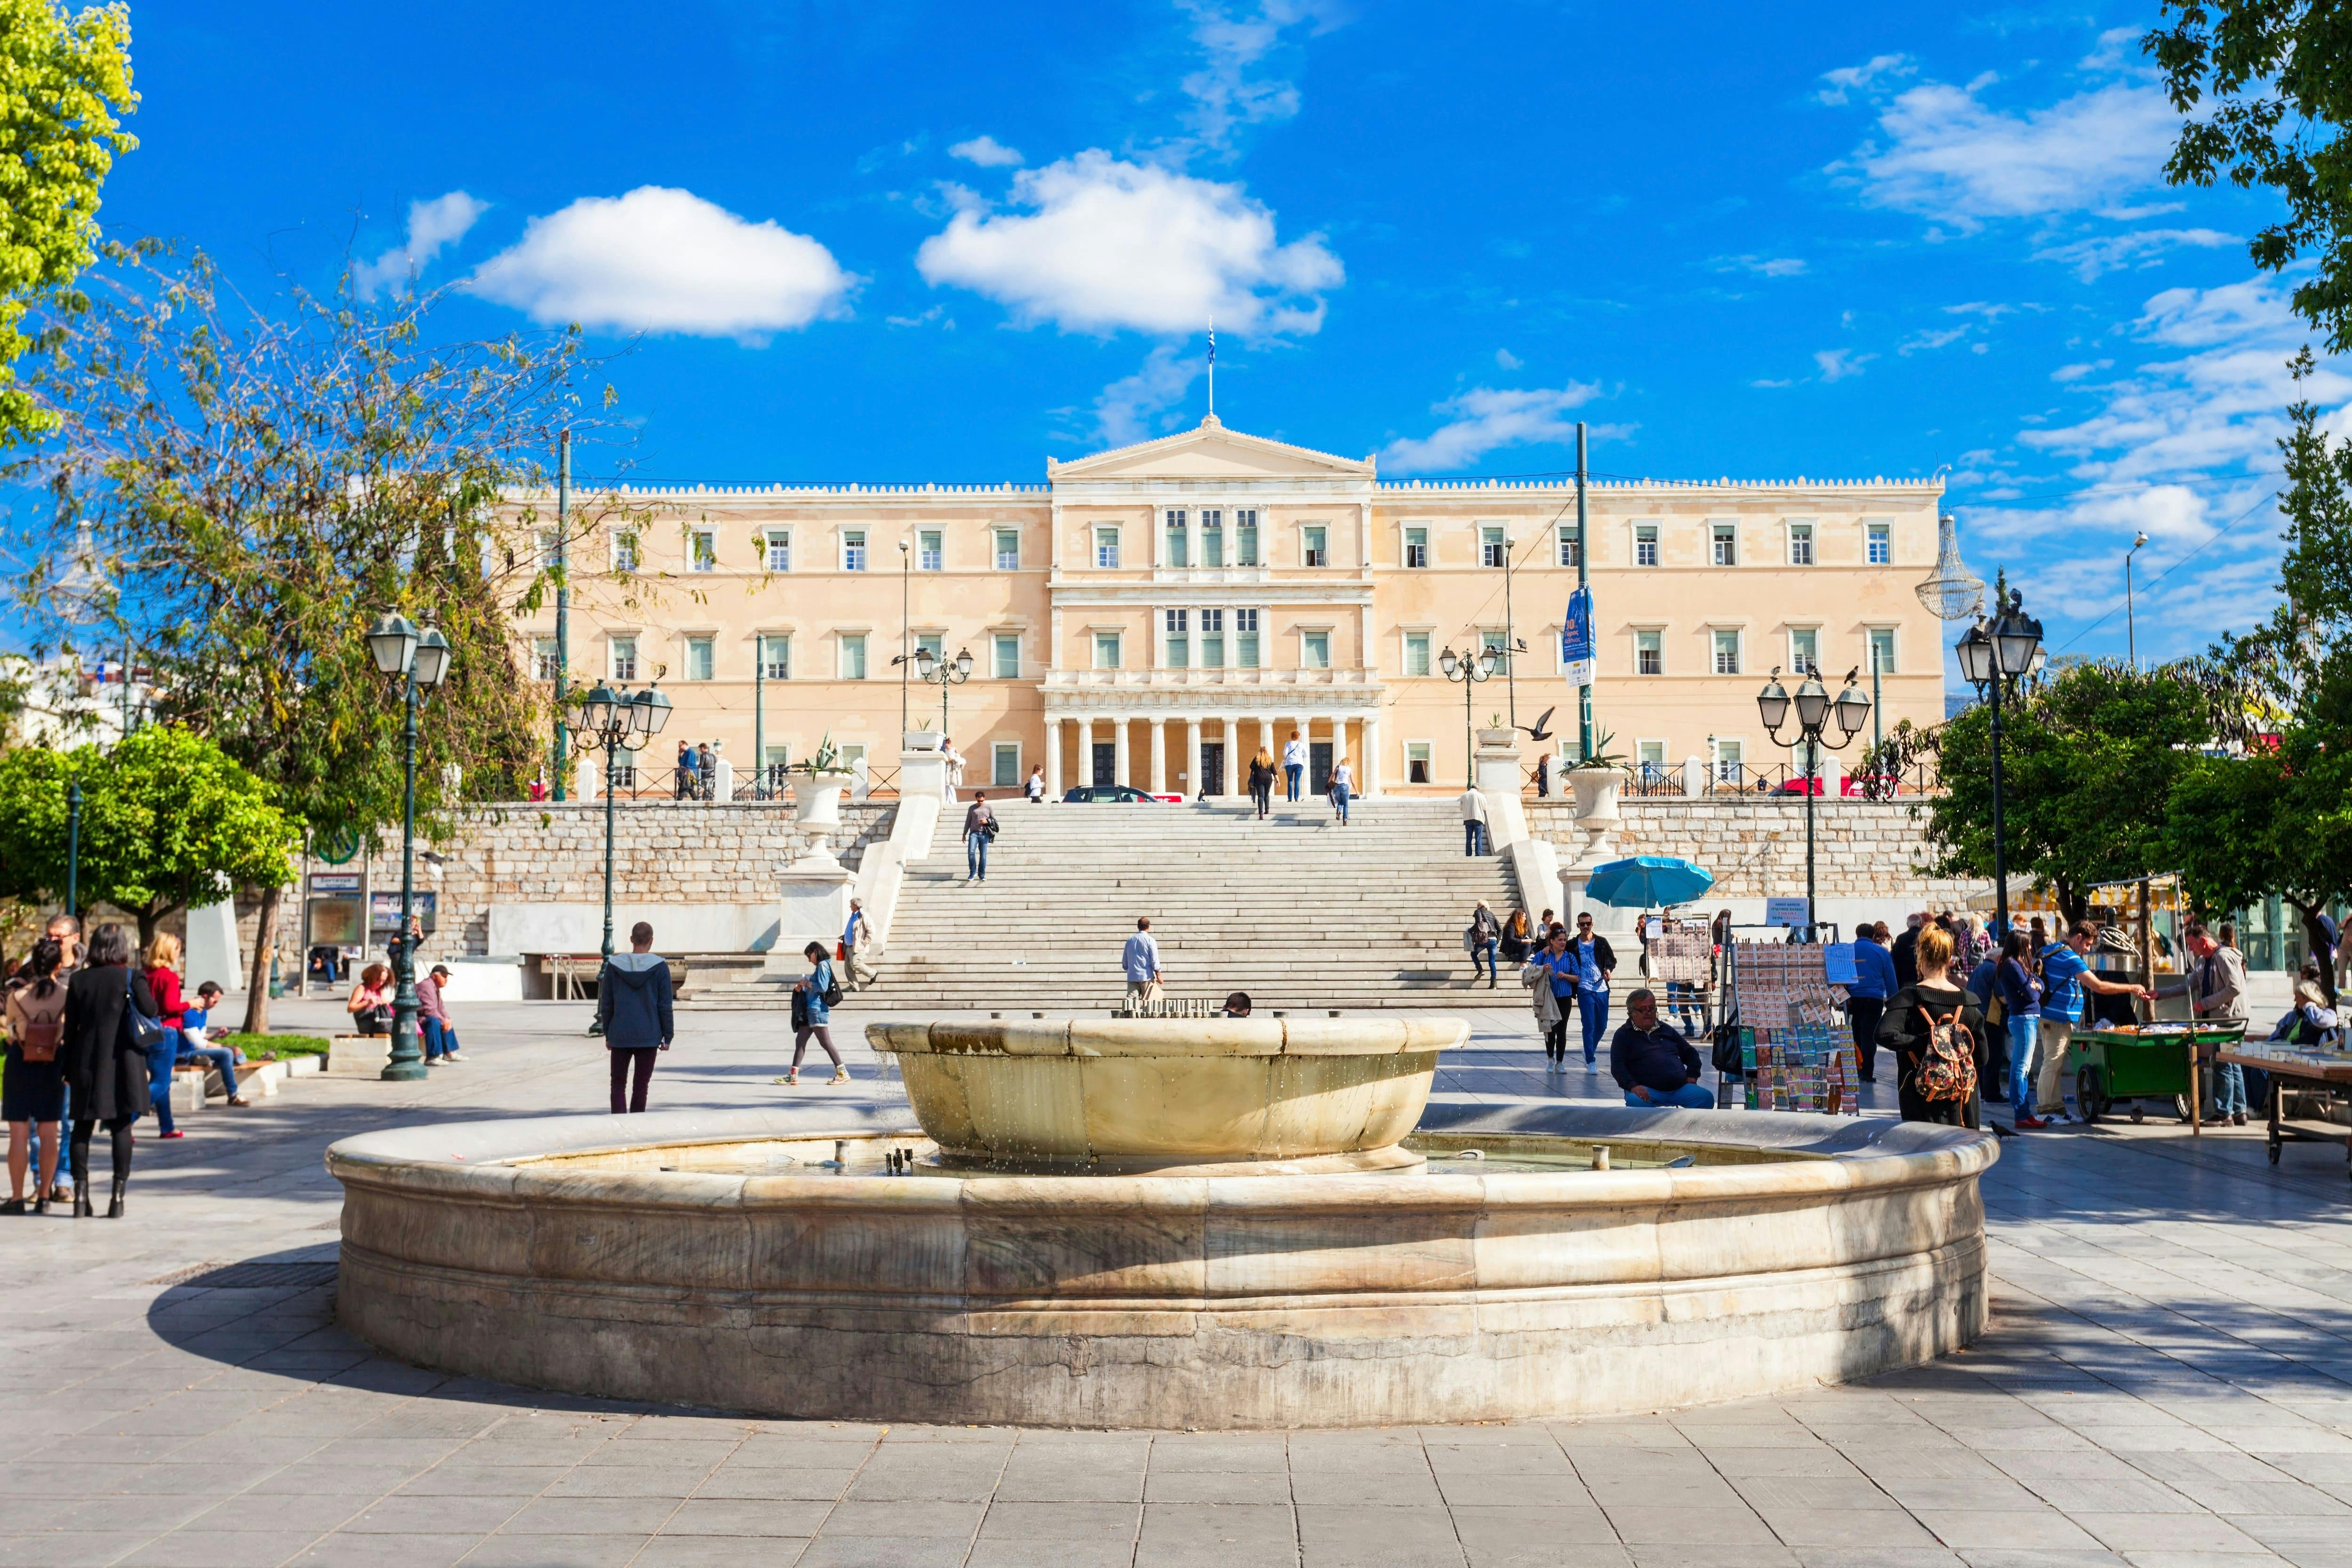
{"type": "Point", "coordinates": [1652, 1063]}
{"type": "Point", "coordinates": [632, 1005]}
{"type": "Point", "coordinates": [1865, 998]}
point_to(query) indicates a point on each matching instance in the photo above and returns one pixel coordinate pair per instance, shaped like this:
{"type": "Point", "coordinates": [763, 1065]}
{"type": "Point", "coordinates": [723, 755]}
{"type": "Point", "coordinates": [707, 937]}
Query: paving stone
{"type": "Point", "coordinates": [1217, 1535]}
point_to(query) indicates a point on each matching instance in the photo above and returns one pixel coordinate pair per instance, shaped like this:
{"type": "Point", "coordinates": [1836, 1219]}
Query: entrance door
{"type": "Point", "coordinates": [1213, 767]}
{"type": "Point", "coordinates": [1106, 763]}
{"type": "Point", "coordinates": [1319, 766]}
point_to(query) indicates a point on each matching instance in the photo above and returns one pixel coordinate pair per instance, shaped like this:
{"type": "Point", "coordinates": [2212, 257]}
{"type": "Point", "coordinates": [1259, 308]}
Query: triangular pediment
{"type": "Point", "coordinates": [1211, 451]}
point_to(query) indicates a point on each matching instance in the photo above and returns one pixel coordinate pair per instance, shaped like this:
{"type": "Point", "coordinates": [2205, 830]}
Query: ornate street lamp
{"type": "Point", "coordinates": [1816, 714]}
{"type": "Point", "coordinates": [935, 670]}
{"type": "Point", "coordinates": [1995, 654]}
{"type": "Point", "coordinates": [1469, 669]}
{"type": "Point", "coordinates": [419, 661]}
{"type": "Point", "coordinates": [604, 719]}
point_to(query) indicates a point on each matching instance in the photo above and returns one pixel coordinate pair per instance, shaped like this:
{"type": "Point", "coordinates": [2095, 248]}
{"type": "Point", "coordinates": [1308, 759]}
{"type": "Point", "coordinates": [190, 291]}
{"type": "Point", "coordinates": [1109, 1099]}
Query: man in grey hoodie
{"type": "Point", "coordinates": [633, 1006]}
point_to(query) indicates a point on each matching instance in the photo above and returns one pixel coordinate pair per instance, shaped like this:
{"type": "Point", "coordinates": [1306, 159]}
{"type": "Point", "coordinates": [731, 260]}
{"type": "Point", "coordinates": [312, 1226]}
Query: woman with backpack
{"type": "Point", "coordinates": [110, 1016]}
{"type": "Point", "coordinates": [813, 1000]}
{"type": "Point", "coordinates": [35, 1092]}
{"type": "Point", "coordinates": [1482, 936]}
{"type": "Point", "coordinates": [1938, 1037]}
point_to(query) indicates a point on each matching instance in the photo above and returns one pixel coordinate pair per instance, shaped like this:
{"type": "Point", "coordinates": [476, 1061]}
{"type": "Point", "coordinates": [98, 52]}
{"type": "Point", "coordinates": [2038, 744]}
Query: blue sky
{"type": "Point", "coordinates": [906, 242]}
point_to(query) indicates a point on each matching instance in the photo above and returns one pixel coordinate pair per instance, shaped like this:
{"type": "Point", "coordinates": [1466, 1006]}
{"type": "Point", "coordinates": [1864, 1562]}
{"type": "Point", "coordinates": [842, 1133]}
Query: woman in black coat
{"type": "Point", "coordinates": [1903, 1029]}
{"type": "Point", "coordinates": [103, 1065]}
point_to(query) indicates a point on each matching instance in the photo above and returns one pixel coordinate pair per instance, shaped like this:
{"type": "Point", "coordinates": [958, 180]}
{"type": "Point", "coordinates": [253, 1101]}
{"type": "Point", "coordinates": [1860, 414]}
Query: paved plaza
{"type": "Point", "coordinates": [2167, 1383]}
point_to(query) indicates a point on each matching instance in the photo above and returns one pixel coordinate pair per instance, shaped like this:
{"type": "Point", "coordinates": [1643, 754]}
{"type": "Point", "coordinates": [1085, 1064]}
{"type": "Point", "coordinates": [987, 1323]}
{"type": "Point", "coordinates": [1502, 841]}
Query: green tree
{"type": "Point", "coordinates": [167, 820]}
{"type": "Point", "coordinates": [2087, 758]}
{"type": "Point", "coordinates": [2273, 78]}
{"type": "Point", "coordinates": [63, 81]}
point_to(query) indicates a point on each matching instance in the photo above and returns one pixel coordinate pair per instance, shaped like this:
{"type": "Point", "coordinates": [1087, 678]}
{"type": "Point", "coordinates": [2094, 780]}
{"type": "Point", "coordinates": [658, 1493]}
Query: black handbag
{"type": "Point", "coordinates": [146, 1033]}
{"type": "Point", "coordinates": [1729, 1059]}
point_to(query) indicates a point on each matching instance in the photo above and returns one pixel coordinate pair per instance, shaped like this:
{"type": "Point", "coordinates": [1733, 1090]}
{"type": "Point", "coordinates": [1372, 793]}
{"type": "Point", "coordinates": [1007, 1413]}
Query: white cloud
{"type": "Point", "coordinates": [1229, 91]}
{"type": "Point", "coordinates": [1485, 418]}
{"type": "Point", "coordinates": [1838, 363]}
{"type": "Point", "coordinates": [1130, 409]}
{"type": "Point", "coordinates": [1508, 359]}
{"type": "Point", "coordinates": [433, 225]}
{"type": "Point", "coordinates": [1785, 381]}
{"type": "Point", "coordinates": [665, 261]}
{"type": "Point", "coordinates": [1846, 80]}
{"type": "Point", "coordinates": [1110, 245]}
{"type": "Point", "coordinates": [1766, 265]}
{"type": "Point", "coordinates": [2114, 252]}
{"type": "Point", "coordinates": [1934, 339]}
{"type": "Point", "coordinates": [2067, 373]}
{"type": "Point", "coordinates": [1990, 313]}
{"type": "Point", "coordinates": [1948, 156]}
{"type": "Point", "coordinates": [987, 152]}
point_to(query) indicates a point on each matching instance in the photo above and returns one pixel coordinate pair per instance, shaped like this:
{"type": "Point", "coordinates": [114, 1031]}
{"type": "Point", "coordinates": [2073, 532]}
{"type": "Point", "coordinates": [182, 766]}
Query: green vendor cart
{"type": "Point", "coordinates": [2114, 1067]}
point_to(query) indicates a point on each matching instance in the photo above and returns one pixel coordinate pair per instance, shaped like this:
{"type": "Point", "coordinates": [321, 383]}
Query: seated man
{"type": "Point", "coordinates": [1652, 1063]}
{"type": "Point", "coordinates": [1237, 1005]}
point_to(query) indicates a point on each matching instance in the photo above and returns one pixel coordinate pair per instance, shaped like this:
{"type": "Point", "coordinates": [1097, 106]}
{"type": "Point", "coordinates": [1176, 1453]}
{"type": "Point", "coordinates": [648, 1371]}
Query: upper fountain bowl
{"type": "Point", "coordinates": [1142, 1094]}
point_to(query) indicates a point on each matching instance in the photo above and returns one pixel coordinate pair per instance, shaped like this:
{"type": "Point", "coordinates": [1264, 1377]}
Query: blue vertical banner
{"type": "Point", "coordinates": [1576, 654]}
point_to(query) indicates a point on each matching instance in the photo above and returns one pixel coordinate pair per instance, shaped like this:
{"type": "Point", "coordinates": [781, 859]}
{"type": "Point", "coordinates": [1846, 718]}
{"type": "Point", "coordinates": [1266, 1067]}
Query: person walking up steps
{"type": "Point", "coordinates": [632, 1005]}
{"type": "Point", "coordinates": [813, 1000]}
{"type": "Point", "coordinates": [979, 833]}
{"type": "Point", "coordinates": [1294, 764]}
{"type": "Point", "coordinates": [1473, 822]}
{"type": "Point", "coordinates": [1343, 786]}
{"type": "Point", "coordinates": [1482, 938]}
{"type": "Point", "coordinates": [1141, 959]}
{"type": "Point", "coordinates": [1261, 782]}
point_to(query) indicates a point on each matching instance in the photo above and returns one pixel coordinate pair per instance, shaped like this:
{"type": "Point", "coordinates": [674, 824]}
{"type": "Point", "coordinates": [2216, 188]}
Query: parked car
{"type": "Point", "coordinates": [1847, 786]}
{"type": "Point", "coordinates": [1124, 794]}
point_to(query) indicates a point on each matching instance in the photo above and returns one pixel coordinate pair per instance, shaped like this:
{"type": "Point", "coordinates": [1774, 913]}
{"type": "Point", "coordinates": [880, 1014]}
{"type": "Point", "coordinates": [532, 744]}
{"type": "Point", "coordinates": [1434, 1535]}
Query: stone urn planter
{"type": "Point", "coordinates": [921, 740]}
{"type": "Point", "coordinates": [1596, 793]}
{"type": "Point", "coordinates": [1502, 740]}
{"type": "Point", "coordinates": [816, 797]}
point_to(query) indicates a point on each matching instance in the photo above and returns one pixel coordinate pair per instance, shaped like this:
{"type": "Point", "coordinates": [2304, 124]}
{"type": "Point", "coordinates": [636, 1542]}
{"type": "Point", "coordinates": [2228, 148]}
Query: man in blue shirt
{"type": "Point", "coordinates": [1594, 963]}
{"type": "Point", "coordinates": [1865, 998]}
{"type": "Point", "coordinates": [2065, 976]}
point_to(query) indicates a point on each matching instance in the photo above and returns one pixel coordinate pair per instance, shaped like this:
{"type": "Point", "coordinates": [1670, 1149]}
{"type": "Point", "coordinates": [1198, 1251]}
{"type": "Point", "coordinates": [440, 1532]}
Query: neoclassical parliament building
{"type": "Point", "coordinates": [1155, 614]}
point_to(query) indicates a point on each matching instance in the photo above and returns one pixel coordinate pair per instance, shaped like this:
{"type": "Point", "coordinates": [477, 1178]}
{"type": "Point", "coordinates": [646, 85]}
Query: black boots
{"type": "Point", "coordinates": [81, 1202]}
{"type": "Point", "coordinates": [114, 1208]}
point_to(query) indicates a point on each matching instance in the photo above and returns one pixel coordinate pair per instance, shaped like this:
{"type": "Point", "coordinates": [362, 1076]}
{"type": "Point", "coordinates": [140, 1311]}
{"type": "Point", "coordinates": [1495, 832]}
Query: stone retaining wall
{"type": "Point", "coordinates": [1864, 848]}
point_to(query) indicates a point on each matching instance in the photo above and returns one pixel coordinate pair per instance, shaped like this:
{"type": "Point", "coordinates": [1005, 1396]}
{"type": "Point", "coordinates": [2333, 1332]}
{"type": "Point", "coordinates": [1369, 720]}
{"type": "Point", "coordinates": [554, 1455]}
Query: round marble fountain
{"type": "Point", "coordinates": [1167, 1224]}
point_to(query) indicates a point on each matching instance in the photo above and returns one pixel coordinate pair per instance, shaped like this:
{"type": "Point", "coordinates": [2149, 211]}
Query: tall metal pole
{"type": "Point", "coordinates": [906, 634]}
{"type": "Point", "coordinates": [73, 849]}
{"type": "Point", "coordinates": [1511, 665]}
{"type": "Point", "coordinates": [1877, 731]}
{"type": "Point", "coordinates": [1583, 560]}
{"type": "Point", "coordinates": [563, 599]}
{"type": "Point", "coordinates": [1999, 866]}
{"type": "Point", "coordinates": [611, 773]}
{"type": "Point", "coordinates": [759, 716]}
{"type": "Point", "coordinates": [2131, 632]}
{"type": "Point", "coordinates": [1812, 761]}
{"type": "Point", "coordinates": [407, 1064]}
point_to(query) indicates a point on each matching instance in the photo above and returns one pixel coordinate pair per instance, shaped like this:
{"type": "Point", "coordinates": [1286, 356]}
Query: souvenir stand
{"type": "Point", "coordinates": [1794, 1053]}
{"type": "Point", "coordinates": [1680, 967]}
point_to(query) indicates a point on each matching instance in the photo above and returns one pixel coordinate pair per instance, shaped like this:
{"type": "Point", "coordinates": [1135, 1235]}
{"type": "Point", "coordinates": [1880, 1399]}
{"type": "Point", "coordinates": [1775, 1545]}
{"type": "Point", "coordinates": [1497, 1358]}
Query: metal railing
{"type": "Point", "coordinates": [1737, 779]}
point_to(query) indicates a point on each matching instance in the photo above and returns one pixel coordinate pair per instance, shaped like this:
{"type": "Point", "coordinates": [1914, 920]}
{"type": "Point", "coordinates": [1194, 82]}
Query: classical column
{"type": "Point", "coordinates": [1236, 766]}
{"type": "Point", "coordinates": [1053, 756]}
{"type": "Point", "coordinates": [1193, 757]}
{"type": "Point", "coordinates": [1120, 771]}
{"type": "Point", "coordinates": [1158, 754]}
{"type": "Point", "coordinates": [1265, 737]}
{"type": "Point", "coordinates": [1369, 775]}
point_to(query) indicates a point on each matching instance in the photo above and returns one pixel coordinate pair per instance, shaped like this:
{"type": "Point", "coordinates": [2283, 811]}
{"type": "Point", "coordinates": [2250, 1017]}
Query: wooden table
{"type": "Point", "coordinates": [2320, 1069]}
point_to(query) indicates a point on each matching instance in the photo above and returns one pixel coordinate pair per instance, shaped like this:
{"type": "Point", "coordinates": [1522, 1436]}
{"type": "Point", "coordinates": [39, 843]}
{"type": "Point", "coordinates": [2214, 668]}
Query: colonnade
{"type": "Point", "coordinates": [1242, 735]}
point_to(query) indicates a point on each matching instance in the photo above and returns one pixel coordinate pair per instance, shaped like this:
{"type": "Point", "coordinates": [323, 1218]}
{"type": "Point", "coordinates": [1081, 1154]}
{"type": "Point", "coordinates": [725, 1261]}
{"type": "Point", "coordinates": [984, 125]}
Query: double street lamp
{"type": "Point", "coordinates": [937, 669]}
{"type": "Point", "coordinates": [604, 719]}
{"type": "Point", "coordinates": [1814, 713]}
{"type": "Point", "coordinates": [1998, 651]}
{"type": "Point", "coordinates": [418, 660]}
{"type": "Point", "coordinates": [1469, 669]}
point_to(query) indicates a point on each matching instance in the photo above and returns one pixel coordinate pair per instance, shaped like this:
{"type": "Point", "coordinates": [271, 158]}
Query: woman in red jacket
{"type": "Point", "coordinates": [163, 981]}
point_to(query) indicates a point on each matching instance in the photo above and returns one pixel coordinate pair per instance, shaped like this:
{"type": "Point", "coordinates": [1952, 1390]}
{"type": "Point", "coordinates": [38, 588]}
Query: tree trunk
{"type": "Point", "coordinates": [265, 950]}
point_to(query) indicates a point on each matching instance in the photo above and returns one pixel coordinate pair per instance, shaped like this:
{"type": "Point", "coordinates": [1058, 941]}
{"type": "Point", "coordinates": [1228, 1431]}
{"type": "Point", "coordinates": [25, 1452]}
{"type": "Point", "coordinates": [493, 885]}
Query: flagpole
{"type": "Point", "coordinates": [1583, 556]}
{"type": "Point", "coordinates": [1212, 367]}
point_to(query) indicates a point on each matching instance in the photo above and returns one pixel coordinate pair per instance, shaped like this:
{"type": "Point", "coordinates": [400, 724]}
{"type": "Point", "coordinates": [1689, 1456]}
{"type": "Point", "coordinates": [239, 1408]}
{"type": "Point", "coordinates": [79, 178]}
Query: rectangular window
{"type": "Point", "coordinates": [1494, 548]}
{"type": "Point", "coordinates": [1801, 544]}
{"type": "Point", "coordinates": [1571, 550]}
{"type": "Point", "coordinates": [1008, 549]}
{"type": "Point", "coordinates": [776, 659]}
{"type": "Point", "coordinates": [1006, 773]}
{"type": "Point", "coordinates": [1213, 635]}
{"type": "Point", "coordinates": [1314, 547]}
{"type": "Point", "coordinates": [1314, 650]}
{"type": "Point", "coordinates": [780, 550]}
{"type": "Point", "coordinates": [703, 550]}
{"type": "Point", "coordinates": [853, 656]}
{"type": "Point", "coordinates": [1645, 544]}
{"type": "Point", "coordinates": [1497, 645]}
{"type": "Point", "coordinates": [1107, 549]}
{"type": "Point", "coordinates": [1178, 646]}
{"type": "Point", "coordinates": [1416, 549]}
{"type": "Point", "coordinates": [1881, 649]}
{"type": "Point", "coordinates": [930, 552]}
{"type": "Point", "coordinates": [1246, 635]}
{"type": "Point", "coordinates": [1649, 653]}
{"type": "Point", "coordinates": [1212, 539]}
{"type": "Point", "coordinates": [1726, 538]}
{"type": "Point", "coordinates": [542, 651]}
{"type": "Point", "coordinates": [932, 643]}
{"type": "Point", "coordinates": [1804, 649]}
{"type": "Point", "coordinates": [1008, 656]}
{"type": "Point", "coordinates": [852, 553]}
{"type": "Point", "coordinates": [1416, 653]}
{"type": "Point", "coordinates": [1105, 650]}
{"type": "Point", "coordinates": [1180, 546]}
{"type": "Point", "coordinates": [701, 657]}
{"type": "Point", "coordinates": [1729, 756]}
{"type": "Point", "coordinates": [1881, 540]}
{"type": "Point", "coordinates": [625, 659]}
{"type": "Point", "coordinates": [1652, 755]}
{"type": "Point", "coordinates": [550, 542]}
{"type": "Point", "coordinates": [1246, 538]}
{"type": "Point", "coordinates": [624, 550]}
{"type": "Point", "coordinates": [1416, 763]}
{"type": "Point", "coordinates": [1726, 653]}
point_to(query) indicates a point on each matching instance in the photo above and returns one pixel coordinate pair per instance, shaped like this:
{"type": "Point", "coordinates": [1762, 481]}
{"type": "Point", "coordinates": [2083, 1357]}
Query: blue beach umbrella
{"type": "Point", "coordinates": [1645, 880]}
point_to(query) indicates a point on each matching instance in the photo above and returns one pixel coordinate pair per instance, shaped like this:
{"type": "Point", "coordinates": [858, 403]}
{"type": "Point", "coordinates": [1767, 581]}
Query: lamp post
{"type": "Point", "coordinates": [1814, 712]}
{"type": "Point", "coordinates": [1995, 653]}
{"type": "Point", "coordinates": [73, 849]}
{"type": "Point", "coordinates": [1469, 669]}
{"type": "Point", "coordinates": [942, 672]}
{"type": "Point", "coordinates": [2131, 633]}
{"type": "Point", "coordinates": [905, 636]}
{"type": "Point", "coordinates": [418, 660]}
{"type": "Point", "coordinates": [611, 721]}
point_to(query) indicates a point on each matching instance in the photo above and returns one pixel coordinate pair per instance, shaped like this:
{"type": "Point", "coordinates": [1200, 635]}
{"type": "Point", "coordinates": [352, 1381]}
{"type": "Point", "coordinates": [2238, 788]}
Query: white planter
{"type": "Point", "coordinates": [1505, 740]}
{"type": "Point", "coordinates": [816, 798]}
{"type": "Point", "coordinates": [922, 740]}
{"type": "Point", "coordinates": [1596, 793]}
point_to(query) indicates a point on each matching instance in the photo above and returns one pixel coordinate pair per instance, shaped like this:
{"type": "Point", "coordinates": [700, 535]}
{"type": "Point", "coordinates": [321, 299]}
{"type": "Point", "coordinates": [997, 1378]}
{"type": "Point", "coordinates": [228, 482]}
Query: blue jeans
{"type": "Point", "coordinates": [1291, 772]}
{"type": "Point", "coordinates": [219, 1058]}
{"type": "Point", "coordinates": [2024, 1033]}
{"type": "Point", "coordinates": [440, 1040]}
{"type": "Point", "coordinates": [159, 1061]}
{"type": "Point", "coordinates": [1592, 1013]}
{"type": "Point", "coordinates": [975, 855]}
{"type": "Point", "coordinates": [1483, 951]}
{"type": "Point", "coordinates": [1474, 838]}
{"type": "Point", "coordinates": [1339, 803]}
{"type": "Point", "coordinates": [1690, 1096]}
{"type": "Point", "coordinates": [2228, 1089]}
